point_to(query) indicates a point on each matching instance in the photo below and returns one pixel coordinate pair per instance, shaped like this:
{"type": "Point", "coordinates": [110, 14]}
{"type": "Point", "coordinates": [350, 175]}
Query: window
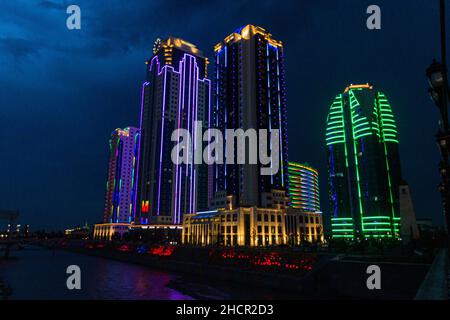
{"type": "Point", "coordinates": [266, 218]}
{"type": "Point", "coordinates": [234, 229]}
{"type": "Point", "coordinates": [260, 240]}
{"type": "Point", "coordinates": [259, 217]}
{"type": "Point", "coordinates": [266, 229]}
{"type": "Point", "coordinates": [279, 218]}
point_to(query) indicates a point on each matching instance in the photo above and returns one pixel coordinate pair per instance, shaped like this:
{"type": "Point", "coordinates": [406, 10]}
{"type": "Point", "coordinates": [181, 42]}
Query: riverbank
{"type": "Point", "coordinates": [38, 273]}
{"type": "Point", "coordinates": [198, 267]}
{"type": "Point", "coordinates": [323, 277]}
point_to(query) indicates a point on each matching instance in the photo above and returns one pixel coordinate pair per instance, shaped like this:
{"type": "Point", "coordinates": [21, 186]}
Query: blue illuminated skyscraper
{"type": "Point", "coordinates": [250, 94]}
{"type": "Point", "coordinates": [175, 95]}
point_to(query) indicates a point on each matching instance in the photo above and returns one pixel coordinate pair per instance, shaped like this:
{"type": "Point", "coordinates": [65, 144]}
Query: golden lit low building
{"type": "Point", "coordinates": [252, 226]}
{"type": "Point", "coordinates": [106, 231]}
{"type": "Point", "coordinates": [303, 226]}
{"type": "Point", "coordinates": [273, 224]}
{"type": "Point", "coordinates": [243, 226]}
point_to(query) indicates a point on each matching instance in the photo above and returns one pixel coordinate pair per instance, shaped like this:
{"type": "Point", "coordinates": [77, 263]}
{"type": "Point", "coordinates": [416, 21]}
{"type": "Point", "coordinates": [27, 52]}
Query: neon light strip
{"type": "Point", "coordinates": [139, 148]}
{"type": "Point", "coordinates": [279, 120]}
{"type": "Point", "coordinates": [162, 139]}
{"type": "Point", "coordinates": [354, 101]}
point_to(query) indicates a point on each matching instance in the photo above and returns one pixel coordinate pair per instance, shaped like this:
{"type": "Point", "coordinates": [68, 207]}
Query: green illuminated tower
{"type": "Point", "coordinates": [363, 165]}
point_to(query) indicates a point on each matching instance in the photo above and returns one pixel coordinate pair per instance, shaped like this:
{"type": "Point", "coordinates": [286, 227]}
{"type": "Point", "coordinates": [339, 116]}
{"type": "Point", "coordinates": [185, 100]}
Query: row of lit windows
{"type": "Point", "coordinates": [267, 238]}
{"type": "Point", "coordinates": [311, 219]}
{"type": "Point", "coordinates": [266, 217]}
{"type": "Point", "coordinates": [272, 229]}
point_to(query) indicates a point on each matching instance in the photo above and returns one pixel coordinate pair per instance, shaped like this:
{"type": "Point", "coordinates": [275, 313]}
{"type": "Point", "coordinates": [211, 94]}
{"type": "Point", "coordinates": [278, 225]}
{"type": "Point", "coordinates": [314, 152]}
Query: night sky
{"type": "Point", "coordinates": [62, 92]}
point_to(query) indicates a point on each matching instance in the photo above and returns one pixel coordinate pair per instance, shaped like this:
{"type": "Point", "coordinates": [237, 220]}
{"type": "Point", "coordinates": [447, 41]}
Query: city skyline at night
{"type": "Point", "coordinates": [247, 152]}
{"type": "Point", "coordinates": [110, 97]}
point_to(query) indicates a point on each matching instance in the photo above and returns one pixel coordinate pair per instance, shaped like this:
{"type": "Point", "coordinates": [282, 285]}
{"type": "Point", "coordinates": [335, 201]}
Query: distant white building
{"type": "Point", "coordinates": [409, 229]}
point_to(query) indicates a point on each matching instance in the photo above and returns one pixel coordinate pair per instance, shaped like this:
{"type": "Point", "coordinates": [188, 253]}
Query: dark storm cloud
{"type": "Point", "coordinates": [121, 27]}
{"type": "Point", "coordinates": [18, 47]}
{"type": "Point", "coordinates": [54, 5]}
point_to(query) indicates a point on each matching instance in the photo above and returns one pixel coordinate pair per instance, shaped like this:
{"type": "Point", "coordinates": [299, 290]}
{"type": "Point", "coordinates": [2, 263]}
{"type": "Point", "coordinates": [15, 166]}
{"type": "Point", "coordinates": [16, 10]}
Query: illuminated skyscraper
{"type": "Point", "coordinates": [250, 94]}
{"type": "Point", "coordinates": [303, 187]}
{"type": "Point", "coordinates": [175, 95]}
{"type": "Point", "coordinates": [120, 187]}
{"type": "Point", "coordinates": [363, 163]}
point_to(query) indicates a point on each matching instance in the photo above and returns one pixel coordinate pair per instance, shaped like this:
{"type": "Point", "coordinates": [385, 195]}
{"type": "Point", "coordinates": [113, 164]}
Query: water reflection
{"type": "Point", "coordinates": [41, 274]}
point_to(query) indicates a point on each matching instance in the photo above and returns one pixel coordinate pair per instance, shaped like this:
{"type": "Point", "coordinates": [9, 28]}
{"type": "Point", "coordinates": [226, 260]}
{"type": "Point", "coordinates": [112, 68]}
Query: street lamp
{"type": "Point", "coordinates": [438, 90]}
{"type": "Point", "coordinates": [439, 93]}
{"type": "Point", "coordinates": [435, 73]}
{"type": "Point", "coordinates": [434, 96]}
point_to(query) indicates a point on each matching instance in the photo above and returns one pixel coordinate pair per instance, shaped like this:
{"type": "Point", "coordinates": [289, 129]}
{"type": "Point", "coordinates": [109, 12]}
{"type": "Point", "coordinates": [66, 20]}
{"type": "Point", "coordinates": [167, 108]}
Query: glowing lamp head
{"type": "Point", "coordinates": [435, 74]}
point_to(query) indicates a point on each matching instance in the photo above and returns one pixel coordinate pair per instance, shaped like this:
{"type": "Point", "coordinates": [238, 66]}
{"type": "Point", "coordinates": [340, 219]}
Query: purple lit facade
{"type": "Point", "coordinates": [175, 95]}
{"type": "Point", "coordinates": [121, 183]}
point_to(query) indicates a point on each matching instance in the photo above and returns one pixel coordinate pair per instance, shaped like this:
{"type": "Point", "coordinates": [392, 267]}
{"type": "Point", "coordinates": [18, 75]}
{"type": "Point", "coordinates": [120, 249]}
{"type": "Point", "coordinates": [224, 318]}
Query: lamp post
{"type": "Point", "coordinates": [440, 94]}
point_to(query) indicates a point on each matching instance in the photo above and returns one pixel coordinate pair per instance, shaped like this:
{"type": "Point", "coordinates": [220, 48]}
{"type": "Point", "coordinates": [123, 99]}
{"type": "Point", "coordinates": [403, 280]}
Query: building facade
{"type": "Point", "coordinates": [272, 224]}
{"type": "Point", "coordinates": [248, 208]}
{"type": "Point", "coordinates": [121, 182]}
{"type": "Point", "coordinates": [303, 187]}
{"type": "Point", "coordinates": [303, 226]}
{"type": "Point", "coordinates": [250, 94]}
{"type": "Point", "coordinates": [251, 226]}
{"type": "Point", "coordinates": [363, 164]}
{"type": "Point", "coordinates": [176, 95]}
{"type": "Point", "coordinates": [110, 231]}
{"type": "Point", "coordinates": [303, 215]}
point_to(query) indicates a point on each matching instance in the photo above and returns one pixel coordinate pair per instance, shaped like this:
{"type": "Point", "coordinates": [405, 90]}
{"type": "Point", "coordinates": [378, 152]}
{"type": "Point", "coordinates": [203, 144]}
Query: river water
{"type": "Point", "coordinates": [38, 273]}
